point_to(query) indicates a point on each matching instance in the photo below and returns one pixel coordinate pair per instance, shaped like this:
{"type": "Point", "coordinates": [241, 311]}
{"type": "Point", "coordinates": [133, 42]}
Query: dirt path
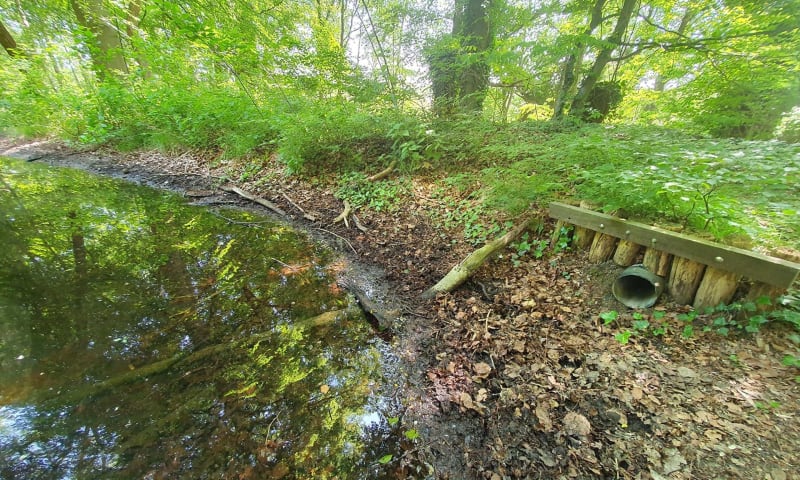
{"type": "Point", "coordinates": [515, 375]}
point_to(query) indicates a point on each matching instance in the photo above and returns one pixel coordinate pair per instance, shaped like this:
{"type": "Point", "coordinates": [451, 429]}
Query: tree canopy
{"type": "Point", "coordinates": [227, 74]}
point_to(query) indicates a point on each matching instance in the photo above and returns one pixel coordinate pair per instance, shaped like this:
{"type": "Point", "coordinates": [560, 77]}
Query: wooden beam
{"type": "Point", "coordinates": [773, 271]}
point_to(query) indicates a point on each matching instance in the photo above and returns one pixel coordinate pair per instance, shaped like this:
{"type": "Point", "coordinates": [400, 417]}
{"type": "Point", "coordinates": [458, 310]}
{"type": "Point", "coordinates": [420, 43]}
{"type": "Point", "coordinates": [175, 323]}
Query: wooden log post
{"type": "Point", "coordinates": [717, 286]}
{"type": "Point", "coordinates": [760, 289]}
{"type": "Point", "coordinates": [556, 233]}
{"type": "Point", "coordinates": [684, 279]}
{"type": "Point", "coordinates": [582, 239]}
{"type": "Point", "coordinates": [657, 262]}
{"type": "Point", "coordinates": [626, 253]}
{"type": "Point", "coordinates": [602, 248]}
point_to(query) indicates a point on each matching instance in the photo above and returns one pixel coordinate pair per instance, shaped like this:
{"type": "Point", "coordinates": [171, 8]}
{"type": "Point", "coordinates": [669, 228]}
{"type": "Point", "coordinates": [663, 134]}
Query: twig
{"type": "Point", "coordinates": [236, 222]}
{"type": "Point", "coordinates": [339, 237]}
{"type": "Point", "coordinates": [309, 217]}
{"type": "Point", "coordinates": [358, 224]}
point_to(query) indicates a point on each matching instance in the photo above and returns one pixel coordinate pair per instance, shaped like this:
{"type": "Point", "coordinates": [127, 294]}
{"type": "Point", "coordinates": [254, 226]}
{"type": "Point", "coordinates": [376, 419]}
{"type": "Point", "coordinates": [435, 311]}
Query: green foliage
{"type": "Point", "coordinates": [380, 196]}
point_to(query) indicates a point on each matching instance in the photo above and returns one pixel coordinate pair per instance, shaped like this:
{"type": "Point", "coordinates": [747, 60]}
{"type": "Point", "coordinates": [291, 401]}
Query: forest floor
{"type": "Point", "coordinates": [514, 375]}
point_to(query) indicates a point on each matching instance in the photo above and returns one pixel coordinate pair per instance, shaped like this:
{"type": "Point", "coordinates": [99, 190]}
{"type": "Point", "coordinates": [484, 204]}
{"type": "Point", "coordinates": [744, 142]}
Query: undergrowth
{"type": "Point", "coordinates": [741, 192]}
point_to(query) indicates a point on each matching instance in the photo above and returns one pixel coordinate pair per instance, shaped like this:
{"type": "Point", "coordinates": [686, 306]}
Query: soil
{"type": "Point", "coordinates": [515, 374]}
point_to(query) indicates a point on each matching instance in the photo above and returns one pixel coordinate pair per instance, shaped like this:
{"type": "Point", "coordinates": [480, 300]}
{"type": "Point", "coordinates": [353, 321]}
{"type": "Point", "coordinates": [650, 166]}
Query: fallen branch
{"type": "Point", "coordinates": [307, 216]}
{"type": "Point", "coordinates": [461, 272]}
{"type": "Point", "coordinates": [253, 198]}
{"type": "Point", "coordinates": [384, 318]}
{"type": "Point", "coordinates": [383, 173]}
{"type": "Point", "coordinates": [358, 224]}
{"type": "Point", "coordinates": [345, 213]}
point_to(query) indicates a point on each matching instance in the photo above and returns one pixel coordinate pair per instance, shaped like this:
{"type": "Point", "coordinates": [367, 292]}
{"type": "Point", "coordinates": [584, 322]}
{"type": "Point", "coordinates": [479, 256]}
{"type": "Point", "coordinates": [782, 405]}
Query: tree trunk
{"type": "Point", "coordinates": [8, 42]}
{"type": "Point", "coordinates": [574, 62]}
{"type": "Point", "coordinates": [578, 106]}
{"type": "Point", "coordinates": [105, 45]}
{"type": "Point", "coordinates": [458, 69]}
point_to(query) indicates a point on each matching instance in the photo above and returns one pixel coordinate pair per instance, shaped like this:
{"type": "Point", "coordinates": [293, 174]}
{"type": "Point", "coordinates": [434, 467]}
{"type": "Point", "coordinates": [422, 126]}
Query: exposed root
{"type": "Point", "coordinates": [345, 213]}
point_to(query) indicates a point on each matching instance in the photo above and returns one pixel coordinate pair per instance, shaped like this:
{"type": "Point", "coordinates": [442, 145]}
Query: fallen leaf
{"type": "Point", "coordinates": [482, 369]}
{"type": "Point", "coordinates": [324, 389]}
{"type": "Point", "coordinates": [576, 425]}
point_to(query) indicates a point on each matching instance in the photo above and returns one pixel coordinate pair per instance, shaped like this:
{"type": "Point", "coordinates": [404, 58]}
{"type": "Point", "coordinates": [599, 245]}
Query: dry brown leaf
{"type": "Point", "coordinates": [576, 425]}
{"type": "Point", "coordinates": [482, 369]}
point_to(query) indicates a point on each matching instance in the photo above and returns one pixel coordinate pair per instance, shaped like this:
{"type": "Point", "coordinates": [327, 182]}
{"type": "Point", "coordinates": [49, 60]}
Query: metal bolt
{"type": "Point", "coordinates": [719, 259]}
{"type": "Point", "coordinates": [653, 241]}
{"type": "Point", "coordinates": [602, 225]}
{"type": "Point", "coordinates": [627, 233]}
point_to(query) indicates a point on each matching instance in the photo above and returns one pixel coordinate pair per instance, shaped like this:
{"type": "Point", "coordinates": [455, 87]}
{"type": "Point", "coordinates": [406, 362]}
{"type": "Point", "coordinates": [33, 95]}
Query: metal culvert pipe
{"type": "Point", "coordinates": [637, 287]}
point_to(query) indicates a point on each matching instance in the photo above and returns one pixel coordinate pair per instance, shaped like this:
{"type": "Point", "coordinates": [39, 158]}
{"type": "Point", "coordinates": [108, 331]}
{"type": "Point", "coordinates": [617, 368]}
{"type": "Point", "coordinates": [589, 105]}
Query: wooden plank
{"type": "Point", "coordinates": [774, 271]}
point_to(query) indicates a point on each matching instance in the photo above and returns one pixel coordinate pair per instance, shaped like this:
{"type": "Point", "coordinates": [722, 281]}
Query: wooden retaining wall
{"type": "Point", "coordinates": [698, 272]}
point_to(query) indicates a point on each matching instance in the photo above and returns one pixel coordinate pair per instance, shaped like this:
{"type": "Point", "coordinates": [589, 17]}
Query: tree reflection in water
{"type": "Point", "coordinates": [102, 281]}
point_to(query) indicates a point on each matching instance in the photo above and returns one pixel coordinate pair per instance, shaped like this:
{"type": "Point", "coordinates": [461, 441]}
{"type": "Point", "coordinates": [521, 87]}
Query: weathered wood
{"type": "Point", "coordinates": [254, 198]}
{"type": "Point", "coordinates": [684, 278]}
{"type": "Point", "coordinates": [556, 233]}
{"type": "Point", "coordinates": [461, 272]}
{"type": "Point", "coordinates": [766, 269]}
{"type": "Point", "coordinates": [583, 238]}
{"type": "Point", "coordinates": [717, 286]}
{"type": "Point", "coordinates": [602, 248]}
{"type": "Point", "coordinates": [626, 253]}
{"type": "Point", "coordinates": [657, 261]}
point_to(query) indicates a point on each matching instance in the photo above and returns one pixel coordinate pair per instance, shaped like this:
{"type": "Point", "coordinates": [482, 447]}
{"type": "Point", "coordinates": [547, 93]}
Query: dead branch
{"type": "Point", "coordinates": [461, 272]}
{"type": "Point", "coordinates": [307, 216]}
{"type": "Point", "coordinates": [383, 173]}
{"type": "Point", "coordinates": [253, 198]}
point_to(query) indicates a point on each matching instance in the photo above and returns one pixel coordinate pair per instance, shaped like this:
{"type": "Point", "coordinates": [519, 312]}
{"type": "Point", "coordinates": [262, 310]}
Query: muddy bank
{"type": "Point", "coordinates": [515, 375]}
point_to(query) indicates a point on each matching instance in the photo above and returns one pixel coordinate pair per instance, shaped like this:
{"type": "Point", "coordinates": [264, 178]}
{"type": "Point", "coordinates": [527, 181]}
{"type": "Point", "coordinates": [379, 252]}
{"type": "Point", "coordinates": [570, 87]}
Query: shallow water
{"type": "Point", "coordinates": [145, 338]}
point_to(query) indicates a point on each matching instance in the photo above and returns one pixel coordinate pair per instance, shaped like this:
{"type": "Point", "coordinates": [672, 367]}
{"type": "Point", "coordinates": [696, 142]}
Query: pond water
{"type": "Point", "coordinates": [146, 338]}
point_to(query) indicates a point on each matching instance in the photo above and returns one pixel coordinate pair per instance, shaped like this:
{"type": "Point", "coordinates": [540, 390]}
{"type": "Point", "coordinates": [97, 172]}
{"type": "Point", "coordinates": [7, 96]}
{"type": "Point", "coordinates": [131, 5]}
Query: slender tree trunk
{"type": "Point", "coordinates": [612, 41]}
{"type": "Point", "coordinates": [575, 60]}
{"type": "Point", "coordinates": [105, 45]}
{"type": "Point", "coordinates": [135, 15]}
{"type": "Point", "coordinates": [660, 83]}
{"type": "Point", "coordinates": [8, 42]}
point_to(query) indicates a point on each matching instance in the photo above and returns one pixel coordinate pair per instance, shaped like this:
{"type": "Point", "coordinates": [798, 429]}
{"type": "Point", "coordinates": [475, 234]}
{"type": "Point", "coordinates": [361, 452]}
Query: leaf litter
{"type": "Point", "coordinates": [516, 375]}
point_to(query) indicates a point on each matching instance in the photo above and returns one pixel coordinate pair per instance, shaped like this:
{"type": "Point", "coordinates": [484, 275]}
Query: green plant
{"type": "Point", "coordinates": [609, 317]}
{"type": "Point", "coordinates": [380, 195]}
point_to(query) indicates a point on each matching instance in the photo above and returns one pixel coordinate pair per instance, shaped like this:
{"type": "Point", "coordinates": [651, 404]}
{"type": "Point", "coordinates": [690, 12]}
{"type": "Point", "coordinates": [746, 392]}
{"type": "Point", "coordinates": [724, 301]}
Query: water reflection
{"type": "Point", "coordinates": [146, 339]}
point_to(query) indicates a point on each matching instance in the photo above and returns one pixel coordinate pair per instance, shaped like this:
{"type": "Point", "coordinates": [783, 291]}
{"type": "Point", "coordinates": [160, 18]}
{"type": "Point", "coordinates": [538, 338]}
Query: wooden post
{"type": "Point", "coordinates": [684, 278]}
{"type": "Point", "coordinates": [556, 233]}
{"type": "Point", "coordinates": [657, 261]}
{"type": "Point", "coordinates": [717, 286]}
{"type": "Point", "coordinates": [626, 253]}
{"type": "Point", "coordinates": [583, 238]}
{"type": "Point", "coordinates": [602, 248]}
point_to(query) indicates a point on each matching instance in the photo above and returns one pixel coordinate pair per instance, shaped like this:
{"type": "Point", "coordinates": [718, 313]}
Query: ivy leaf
{"type": "Point", "coordinates": [385, 459]}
